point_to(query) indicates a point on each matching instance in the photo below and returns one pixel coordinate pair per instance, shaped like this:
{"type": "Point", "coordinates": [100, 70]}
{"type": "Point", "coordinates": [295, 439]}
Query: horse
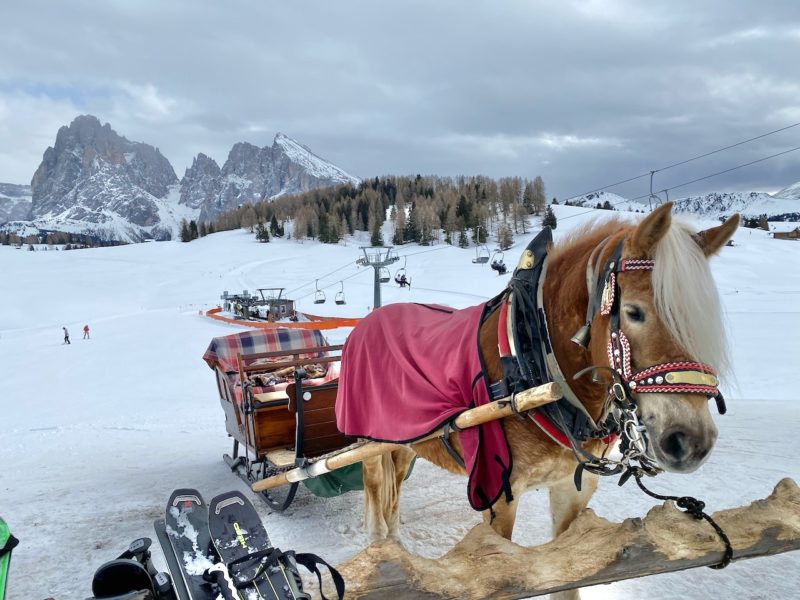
{"type": "Point", "coordinates": [634, 304]}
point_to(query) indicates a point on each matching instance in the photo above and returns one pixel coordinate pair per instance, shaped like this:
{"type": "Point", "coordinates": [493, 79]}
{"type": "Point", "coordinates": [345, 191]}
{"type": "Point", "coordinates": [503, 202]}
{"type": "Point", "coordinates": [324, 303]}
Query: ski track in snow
{"type": "Point", "coordinates": [97, 434]}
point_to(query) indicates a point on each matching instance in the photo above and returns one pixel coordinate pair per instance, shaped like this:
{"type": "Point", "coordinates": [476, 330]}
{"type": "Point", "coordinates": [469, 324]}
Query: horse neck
{"type": "Point", "coordinates": [565, 299]}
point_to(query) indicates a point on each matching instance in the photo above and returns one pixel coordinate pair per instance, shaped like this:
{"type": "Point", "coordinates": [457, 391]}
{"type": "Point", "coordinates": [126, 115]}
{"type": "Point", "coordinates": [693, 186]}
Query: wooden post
{"type": "Point", "coordinates": [485, 565]}
{"type": "Point", "coordinates": [524, 401]}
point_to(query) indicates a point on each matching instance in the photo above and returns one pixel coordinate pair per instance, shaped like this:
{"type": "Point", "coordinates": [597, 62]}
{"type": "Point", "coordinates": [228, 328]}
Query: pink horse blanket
{"type": "Point", "coordinates": [409, 368]}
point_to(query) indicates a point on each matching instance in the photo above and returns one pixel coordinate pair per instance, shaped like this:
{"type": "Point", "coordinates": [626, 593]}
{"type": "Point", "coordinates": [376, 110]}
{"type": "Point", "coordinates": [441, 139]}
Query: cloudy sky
{"type": "Point", "coordinates": [583, 93]}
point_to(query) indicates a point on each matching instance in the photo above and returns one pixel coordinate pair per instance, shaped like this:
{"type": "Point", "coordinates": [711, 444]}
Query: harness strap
{"type": "Point", "coordinates": [445, 441]}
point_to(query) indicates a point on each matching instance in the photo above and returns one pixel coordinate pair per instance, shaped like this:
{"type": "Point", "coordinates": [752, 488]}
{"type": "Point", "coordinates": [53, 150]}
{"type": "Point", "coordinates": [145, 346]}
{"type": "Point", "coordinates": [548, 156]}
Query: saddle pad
{"type": "Point", "coordinates": [409, 368]}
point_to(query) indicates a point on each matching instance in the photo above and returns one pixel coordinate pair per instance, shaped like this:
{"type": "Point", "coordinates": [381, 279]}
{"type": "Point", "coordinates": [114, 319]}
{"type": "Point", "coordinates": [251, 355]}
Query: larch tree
{"type": "Point", "coordinates": [539, 197]}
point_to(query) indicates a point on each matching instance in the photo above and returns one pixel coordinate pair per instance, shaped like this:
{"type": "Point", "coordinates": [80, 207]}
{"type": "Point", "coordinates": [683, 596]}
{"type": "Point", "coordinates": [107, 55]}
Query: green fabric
{"type": "Point", "coordinates": [5, 559]}
{"type": "Point", "coordinates": [336, 483]}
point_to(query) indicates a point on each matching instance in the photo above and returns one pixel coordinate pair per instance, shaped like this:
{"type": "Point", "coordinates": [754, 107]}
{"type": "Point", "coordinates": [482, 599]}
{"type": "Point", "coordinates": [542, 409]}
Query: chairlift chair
{"type": "Point", "coordinates": [498, 264]}
{"type": "Point", "coordinates": [319, 295]}
{"type": "Point", "coordinates": [340, 295]}
{"type": "Point", "coordinates": [401, 277]}
{"type": "Point", "coordinates": [384, 276]}
{"type": "Point", "coordinates": [481, 255]}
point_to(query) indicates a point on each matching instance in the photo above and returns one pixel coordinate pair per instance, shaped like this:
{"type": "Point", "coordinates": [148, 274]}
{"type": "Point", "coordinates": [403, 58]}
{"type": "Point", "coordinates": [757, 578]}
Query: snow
{"type": "Point", "coordinates": [313, 164]}
{"type": "Point", "coordinates": [97, 434]}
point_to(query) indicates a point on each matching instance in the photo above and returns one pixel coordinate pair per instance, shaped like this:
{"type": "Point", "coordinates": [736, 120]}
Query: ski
{"type": "Point", "coordinates": [258, 570]}
{"type": "Point", "coordinates": [184, 538]}
{"type": "Point", "coordinates": [7, 543]}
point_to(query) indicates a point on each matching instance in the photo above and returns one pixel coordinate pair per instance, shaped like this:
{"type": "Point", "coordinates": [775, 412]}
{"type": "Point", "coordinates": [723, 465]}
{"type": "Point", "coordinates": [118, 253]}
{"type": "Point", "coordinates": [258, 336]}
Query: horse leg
{"type": "Point", "coordinates": [565, 504]}
{"type": "Point", "coordinates": [401, 460]}
{"type": "Point", "coordinates": [374, 476]}
{"type": "Point", "coordinates": [502, 515]}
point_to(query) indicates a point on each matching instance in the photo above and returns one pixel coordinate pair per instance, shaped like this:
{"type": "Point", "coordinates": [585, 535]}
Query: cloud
{"type": "Point", "coordinates": [581, 93]}
{"type": "Point", "coordinates": [148, 103]}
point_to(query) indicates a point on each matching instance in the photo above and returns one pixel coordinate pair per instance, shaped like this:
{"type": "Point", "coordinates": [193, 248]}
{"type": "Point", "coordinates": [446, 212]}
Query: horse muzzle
{"type": "Point", "coordinates": [681, 449]}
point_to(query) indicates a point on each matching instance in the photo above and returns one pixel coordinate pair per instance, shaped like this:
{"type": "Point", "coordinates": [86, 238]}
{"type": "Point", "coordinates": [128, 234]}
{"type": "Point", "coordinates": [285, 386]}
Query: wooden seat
{"type": "Point", "coordinates": [319, 431]}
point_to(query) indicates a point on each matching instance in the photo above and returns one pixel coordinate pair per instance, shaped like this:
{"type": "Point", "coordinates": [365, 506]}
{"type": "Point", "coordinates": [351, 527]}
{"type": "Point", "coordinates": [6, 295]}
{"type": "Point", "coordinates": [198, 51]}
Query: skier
{"type": "Point", "coordinates": [66, 335]}
{"type": "Point", "coordinates": [86, 332]}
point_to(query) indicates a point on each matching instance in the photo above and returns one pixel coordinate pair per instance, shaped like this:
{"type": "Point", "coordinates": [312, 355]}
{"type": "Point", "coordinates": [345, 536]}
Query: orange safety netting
{"type": "Point", "coordinates": [314, 321]}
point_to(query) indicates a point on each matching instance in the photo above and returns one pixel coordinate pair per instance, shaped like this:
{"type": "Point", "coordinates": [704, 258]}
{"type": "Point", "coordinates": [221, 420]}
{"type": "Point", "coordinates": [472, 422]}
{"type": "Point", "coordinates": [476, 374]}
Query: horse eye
{"type": "Point", "coordinates": [634, 313]}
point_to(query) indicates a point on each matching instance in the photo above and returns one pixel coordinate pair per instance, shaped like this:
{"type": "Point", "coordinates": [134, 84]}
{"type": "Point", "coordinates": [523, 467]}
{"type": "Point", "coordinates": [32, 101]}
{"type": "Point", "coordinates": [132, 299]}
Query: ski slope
{"type": "Point", "coordinates": [96, 434]}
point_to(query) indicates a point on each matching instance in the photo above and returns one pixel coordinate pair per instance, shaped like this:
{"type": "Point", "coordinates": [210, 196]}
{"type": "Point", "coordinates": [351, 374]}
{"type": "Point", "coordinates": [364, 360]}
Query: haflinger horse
{"type": "Point", "coordinates": [619, 314]}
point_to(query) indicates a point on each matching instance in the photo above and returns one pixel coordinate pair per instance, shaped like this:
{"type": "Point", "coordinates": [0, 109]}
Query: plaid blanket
{"type": "Point", "coordinates": [409, 368]}
{"type": "Point", "coordinates": [222, 352]}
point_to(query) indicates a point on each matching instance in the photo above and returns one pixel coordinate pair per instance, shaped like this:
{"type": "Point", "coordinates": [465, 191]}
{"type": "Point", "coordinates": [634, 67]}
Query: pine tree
{"type": "Point", "coordinates": [262, 234]}
{"type": "Point", "coordinates": [376, 234]}
{"type": "Point", "coordinates": [463, 242]}
{"type": "Point", "coordinates": [186, 236]}
{"type": "Point", "coordinates": [273, 225]}
{"type": "Point", "coordinates": [193, 233]}
{"type": "Point", "coordinates": [549, 219]}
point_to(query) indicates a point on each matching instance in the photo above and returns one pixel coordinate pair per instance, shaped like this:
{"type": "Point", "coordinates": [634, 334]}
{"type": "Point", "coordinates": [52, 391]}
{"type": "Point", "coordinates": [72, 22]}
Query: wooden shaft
{"type": "Point", "coordinates": [523, 401]}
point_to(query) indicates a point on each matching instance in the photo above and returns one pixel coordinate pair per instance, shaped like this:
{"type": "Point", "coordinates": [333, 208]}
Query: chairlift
{"type": "Point", "coordinates": [383, 275]}
{"type": "Point", "coordinates": [340, 295]}
{"type": "Point", "coordinates": [481, 255]}
{"type": "Point", "coordinates": [401, 277]}
{"type": "Point", "coordinates": [319, 295]}
{"type": "Point", "coordinates": [498, 264]}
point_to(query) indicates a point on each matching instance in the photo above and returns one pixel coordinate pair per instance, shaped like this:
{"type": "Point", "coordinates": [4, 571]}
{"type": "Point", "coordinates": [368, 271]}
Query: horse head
{"type": "Point", "coordinates": [659, 326]}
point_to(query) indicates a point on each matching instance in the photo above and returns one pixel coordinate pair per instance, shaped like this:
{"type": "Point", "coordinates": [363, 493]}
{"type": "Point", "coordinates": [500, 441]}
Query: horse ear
{"type": "Point", "coordinates": [711, 240]}
{"type": "Point", "coordinates": [651, 230]}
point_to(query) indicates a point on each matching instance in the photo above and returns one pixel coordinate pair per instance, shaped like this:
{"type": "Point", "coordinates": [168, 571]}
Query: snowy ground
{"type": "Point", "coordinates": [96, 434]}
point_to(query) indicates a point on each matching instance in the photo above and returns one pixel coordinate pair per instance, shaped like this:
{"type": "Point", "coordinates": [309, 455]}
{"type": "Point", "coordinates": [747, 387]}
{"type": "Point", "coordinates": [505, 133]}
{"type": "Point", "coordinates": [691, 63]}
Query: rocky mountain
{"type": "Point", "coordinates": [15, 202]}
{"type": "Point", "coordinates": [200, 187]}
{"type": "Point", "coordinates": [252, 174]}
{"type": "Point", "coordinates": [94, 181]}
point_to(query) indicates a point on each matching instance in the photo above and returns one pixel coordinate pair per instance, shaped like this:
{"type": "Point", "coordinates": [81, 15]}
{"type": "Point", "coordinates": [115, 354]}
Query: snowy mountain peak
{"type": "Point", "coordinates": [793, 191]}
{"type": "Point", "coordinates": [313, 164]}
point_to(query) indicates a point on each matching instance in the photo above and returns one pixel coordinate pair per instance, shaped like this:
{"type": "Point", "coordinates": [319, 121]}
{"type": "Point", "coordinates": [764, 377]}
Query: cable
{"type": "Point", "coordinates": [359, 272]}
{"type": "Point", "coordinates": [344, 266]}
{"type": "Point", "coordinates": [683, 162]}
{"type": "Point", "coordinates": [685, 183]}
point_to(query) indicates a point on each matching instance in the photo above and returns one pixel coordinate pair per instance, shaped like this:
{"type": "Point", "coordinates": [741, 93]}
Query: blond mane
{"type": "Point", "coordinates": [687, 300]}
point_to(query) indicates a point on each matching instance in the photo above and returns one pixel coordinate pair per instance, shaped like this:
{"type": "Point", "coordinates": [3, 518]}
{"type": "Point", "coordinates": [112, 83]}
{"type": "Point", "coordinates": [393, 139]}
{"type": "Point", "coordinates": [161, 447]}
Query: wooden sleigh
{"type": "Point", "coordinates": [271, 429]}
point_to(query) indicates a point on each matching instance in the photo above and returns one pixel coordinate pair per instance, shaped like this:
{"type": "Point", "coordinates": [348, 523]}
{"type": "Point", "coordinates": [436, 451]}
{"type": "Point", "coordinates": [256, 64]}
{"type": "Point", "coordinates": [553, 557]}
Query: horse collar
{"type": "Point", "coordinates": [526, 353]}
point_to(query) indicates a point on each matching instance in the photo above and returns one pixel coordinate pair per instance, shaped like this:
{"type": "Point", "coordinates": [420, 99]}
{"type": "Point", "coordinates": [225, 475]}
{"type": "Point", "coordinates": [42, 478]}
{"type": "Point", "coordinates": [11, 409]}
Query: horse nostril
{"type": "Point", "coordinates": [676, 445]}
